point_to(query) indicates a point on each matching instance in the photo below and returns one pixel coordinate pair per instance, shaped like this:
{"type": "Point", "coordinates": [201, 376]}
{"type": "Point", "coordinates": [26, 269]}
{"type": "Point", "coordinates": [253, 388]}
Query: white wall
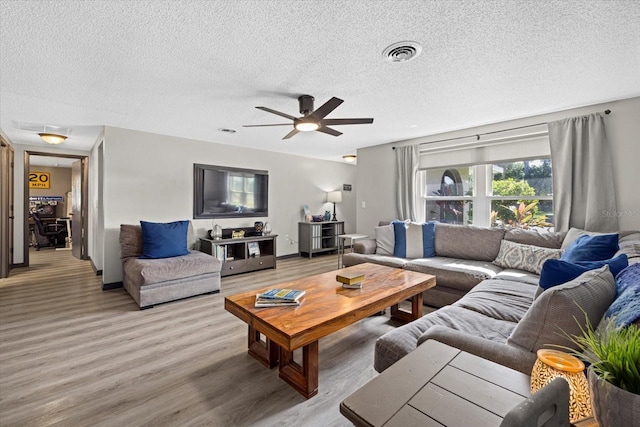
{"type": "Point", "coordinates": [150, 177]}
{"type": "Point", "coordinates": [376, 165]}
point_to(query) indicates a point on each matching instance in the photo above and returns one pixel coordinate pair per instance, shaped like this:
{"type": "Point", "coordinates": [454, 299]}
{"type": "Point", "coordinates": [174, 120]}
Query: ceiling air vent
{"type": "Point", "coordinates": [402, 51]}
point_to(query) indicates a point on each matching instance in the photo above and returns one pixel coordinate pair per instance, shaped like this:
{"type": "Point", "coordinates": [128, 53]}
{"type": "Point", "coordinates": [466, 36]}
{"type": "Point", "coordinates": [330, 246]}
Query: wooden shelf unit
{"type": "Point", "coordinates": [234, 253]}
{"type": "Point", "coordinates": [319, 237]}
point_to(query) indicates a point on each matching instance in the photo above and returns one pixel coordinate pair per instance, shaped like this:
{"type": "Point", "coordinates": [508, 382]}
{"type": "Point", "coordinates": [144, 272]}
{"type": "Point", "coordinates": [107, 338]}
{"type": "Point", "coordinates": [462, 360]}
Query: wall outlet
{"type": "Point", "coordinates": [363, 205]}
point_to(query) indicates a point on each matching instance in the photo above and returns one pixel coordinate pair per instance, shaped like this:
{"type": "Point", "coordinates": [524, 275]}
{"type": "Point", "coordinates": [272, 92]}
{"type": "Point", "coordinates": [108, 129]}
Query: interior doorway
{"type": "Point", "coordinates": [6, 207]}
{"type": "Point", "coordinates": [68, 209]}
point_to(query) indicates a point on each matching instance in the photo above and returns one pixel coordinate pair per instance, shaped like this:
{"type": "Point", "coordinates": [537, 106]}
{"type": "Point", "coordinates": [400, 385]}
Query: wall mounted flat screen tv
{"type": "Point", "coordinates": [225, 192]}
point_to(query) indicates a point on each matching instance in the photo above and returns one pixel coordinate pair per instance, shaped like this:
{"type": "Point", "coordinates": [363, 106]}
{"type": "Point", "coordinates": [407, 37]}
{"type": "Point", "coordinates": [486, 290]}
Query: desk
{"type": "Point", "coordinates": [341, 241]}
{"type": "Point", "coordinates": [438, 385]}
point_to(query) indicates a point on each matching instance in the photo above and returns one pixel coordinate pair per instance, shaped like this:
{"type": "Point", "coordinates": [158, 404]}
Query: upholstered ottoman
{"type": "Point", "coordinates": [154, 281]}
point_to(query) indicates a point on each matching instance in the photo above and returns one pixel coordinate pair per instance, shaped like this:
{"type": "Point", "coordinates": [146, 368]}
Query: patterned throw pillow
{"type": "Point", "coordinates": [524, 257]}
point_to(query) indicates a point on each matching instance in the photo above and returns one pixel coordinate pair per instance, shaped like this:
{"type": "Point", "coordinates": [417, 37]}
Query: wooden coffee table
{"type": "Point", "coordinates": [326, 308]}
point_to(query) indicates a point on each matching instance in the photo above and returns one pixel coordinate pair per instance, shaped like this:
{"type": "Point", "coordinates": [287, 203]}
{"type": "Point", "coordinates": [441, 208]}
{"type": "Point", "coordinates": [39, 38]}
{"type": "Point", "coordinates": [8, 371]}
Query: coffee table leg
{"type": "Point", "coordinates": [266, 352]}
{"type": "Point", "coordinates": [302, 378]}
{"type": "Point", "coordinates": [404, 316]}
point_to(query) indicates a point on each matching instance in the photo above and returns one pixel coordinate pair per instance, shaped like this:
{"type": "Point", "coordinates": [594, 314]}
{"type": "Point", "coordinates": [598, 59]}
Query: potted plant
{"type": "Point", "coordinates": [612, 355]}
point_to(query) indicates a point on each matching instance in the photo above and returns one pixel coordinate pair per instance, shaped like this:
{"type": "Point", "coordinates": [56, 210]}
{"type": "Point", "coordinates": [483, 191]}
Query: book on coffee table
{"type": "Point", "coordinates": [357, 285]}
{"type": "Point", "coordinates": [282, 294]}
{"type": "Point", "coordinates": [267, 302]}
{"type": "Point", "coordinates": [350, 279]}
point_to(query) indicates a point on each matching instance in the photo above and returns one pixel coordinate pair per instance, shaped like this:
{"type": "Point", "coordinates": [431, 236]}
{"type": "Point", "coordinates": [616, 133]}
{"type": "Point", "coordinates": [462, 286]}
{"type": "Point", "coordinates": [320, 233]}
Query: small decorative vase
{"type": "Point", "coordinates": [216, 233]}
{"type": "Point", "coordinates": [266, 230]}
{"type": "Point", "coordinates": [613, 406]}
{"type": "Point", "coordinates": [327, 215]}
{"type": "Point", "coordinates": [258, 225]}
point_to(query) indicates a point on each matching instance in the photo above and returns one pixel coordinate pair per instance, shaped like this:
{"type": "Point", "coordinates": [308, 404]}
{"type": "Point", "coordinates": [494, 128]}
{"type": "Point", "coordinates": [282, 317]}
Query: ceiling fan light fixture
{"type": "Point", "coordinates": [52, 138]}
{"type": "Point", "coordinates": [306, 126]}
{"type": "Point", "coordinates": [349, 158]}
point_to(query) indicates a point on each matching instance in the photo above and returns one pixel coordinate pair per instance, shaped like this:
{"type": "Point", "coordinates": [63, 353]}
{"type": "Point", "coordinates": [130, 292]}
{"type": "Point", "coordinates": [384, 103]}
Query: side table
{"type": "Point", "coordinates": [437, 385]}
{"type": "Point", "coordinates": [341, 244]}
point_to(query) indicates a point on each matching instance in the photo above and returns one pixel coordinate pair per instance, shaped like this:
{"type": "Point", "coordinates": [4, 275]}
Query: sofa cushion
{"type": "Point", "coordinates": [454, 273]}
{"type": "Point", "coordinates": [563, 310]}
{"type": "Point", "coordinates": [130, 241]}
{"type": "Point", "coordinates": [556, 271]}
{"type": "Point", "coordinates": [468, 321]}
{"type": "Point", "coordinates": [164, 240]}
{"type": "Point", "coordinates": [591, 248]}
{"type": "Point", "coordinates": [384, 240]}
{"type": "Point", "coordinates": [524, 257]}
{"type": "Point", "coordinates": [535, 237]}
{"type": "Point", "coordinates": [413, 240]}
{"type": "Point", "coordinates": [397, 343]}
{"type": "Point", "coordinates": [500, 299]}
{"type": "Point", "coordinates": [467, 242]}
{"type": "Point", "coordinates": [630, 246]}
{"type": "Point", "coordinates": [518, 276]}
{"type": "Point", "coordinates": [353, 258]}
{"type": "Point", "coordinates": [140, 271]}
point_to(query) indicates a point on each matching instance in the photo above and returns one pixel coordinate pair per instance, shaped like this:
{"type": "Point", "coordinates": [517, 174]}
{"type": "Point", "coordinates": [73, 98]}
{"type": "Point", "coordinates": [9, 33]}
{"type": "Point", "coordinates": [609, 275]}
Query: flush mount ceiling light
{"type": "Point", "coordinates": [402, 51]}
{"type": "Point", "coordinates": [305, 125]}
{"type": "Point", "coordinates": [52, 138]}
{"type": "Point", "coordinates": [349, 158]}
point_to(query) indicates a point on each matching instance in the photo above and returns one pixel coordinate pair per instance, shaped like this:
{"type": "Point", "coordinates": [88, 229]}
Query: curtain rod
{"type": "Point", "coordinates": [477, 135]}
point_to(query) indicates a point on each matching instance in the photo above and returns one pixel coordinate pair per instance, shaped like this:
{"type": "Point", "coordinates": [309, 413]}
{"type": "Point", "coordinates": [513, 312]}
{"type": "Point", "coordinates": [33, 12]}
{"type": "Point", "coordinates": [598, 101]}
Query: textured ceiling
{"type": "Point", "coordinates": [188, 68]}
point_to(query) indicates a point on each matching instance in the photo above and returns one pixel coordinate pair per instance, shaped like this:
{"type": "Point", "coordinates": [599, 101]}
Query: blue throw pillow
{"type": "Point", "coordinates": [556, 272]}
{"type": "Point", "coordinates": [626, 306]}
{"type": "Point", "coordinates": [414, 240]}
{"type": "Point", "coordinates": [591, 248]}
{"type": "Point", "coordinates": [164, 240]}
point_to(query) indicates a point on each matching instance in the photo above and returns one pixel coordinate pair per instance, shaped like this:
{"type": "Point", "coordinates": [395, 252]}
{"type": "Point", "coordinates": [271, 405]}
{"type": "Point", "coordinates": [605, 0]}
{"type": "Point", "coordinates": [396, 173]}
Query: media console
{"type": "Point", "coordinates": [242, 255]}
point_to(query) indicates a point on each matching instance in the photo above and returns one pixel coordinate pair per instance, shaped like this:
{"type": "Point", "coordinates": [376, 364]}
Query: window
{"type": "Point", "coordinates": [516, 194]}
{"type": "Point", "coordinates": [449, 194]}
{"type": "Point", "coordinates": [530, 180]}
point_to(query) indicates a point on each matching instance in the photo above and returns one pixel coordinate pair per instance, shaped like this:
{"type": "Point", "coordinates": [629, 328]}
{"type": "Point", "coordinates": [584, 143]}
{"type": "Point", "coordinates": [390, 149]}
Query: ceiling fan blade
{"type": "Point", "coordinates": [290, 134]}
{"type": "Point", "coordinates": [330, 131]}
{"type": "Point", "coordinates": [257, 126]}
{"type": "Point", "coordinates": [347, 121]}
{"type": "Point", "coordinates": [322, 111]}
{"type": "Point", "coordinates": [269, 110]}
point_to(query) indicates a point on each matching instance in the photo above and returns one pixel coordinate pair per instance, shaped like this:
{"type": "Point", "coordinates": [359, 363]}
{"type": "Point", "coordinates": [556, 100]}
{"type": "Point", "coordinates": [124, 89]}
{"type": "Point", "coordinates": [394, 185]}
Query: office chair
{"type": "Point", "coordinates": [50, 235]}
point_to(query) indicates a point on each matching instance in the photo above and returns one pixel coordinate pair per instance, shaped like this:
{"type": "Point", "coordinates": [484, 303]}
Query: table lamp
{"type": "Point", "coordinates": [334, 197]}
{"type": "Point", "coordinates": [552, 364]}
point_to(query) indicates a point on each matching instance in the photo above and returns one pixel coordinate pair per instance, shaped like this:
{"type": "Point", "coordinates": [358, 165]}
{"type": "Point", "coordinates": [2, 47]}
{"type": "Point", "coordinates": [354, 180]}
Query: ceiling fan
{"type": "Point", "coordinates": [313, 119]}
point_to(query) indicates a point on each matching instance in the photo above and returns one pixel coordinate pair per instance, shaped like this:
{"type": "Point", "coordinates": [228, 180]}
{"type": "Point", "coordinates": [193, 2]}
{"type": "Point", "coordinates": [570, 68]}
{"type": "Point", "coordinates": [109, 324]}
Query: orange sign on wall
{"type": "Point", "coordinates": [39, 179]}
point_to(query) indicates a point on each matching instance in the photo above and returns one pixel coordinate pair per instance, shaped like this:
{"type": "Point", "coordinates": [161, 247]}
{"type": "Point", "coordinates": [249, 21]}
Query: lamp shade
{"type": "Point", "coordinates": [334, 196]}
{"type": "Point", "coordinates": [552, 364]}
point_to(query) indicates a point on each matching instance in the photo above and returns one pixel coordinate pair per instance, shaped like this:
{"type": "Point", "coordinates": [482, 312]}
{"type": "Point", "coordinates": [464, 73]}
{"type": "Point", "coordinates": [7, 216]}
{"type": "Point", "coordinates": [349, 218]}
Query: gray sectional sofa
{"type": "Point", "coordinates": [492, 311]}
{"type": "Point", "coordinates": [154, 281]}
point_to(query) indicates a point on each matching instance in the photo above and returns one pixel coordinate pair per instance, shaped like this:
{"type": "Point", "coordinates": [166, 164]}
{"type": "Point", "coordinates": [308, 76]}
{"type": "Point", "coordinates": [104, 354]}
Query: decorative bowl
{"type": "Point", "coordinates": [317, 218]}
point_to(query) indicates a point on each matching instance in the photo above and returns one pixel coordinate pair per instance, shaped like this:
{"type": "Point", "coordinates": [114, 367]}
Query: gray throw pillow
{"type": "Point", "coordinates": [524, 257]}
{"type": "Point", "coordinates": [385, 240]}
{"type": "Point", "coordinates": [563, 309]}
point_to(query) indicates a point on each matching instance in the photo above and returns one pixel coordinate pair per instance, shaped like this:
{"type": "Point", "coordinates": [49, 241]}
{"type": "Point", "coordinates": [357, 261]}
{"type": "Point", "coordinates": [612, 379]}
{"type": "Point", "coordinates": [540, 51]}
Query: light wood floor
{"type": "Point", "coordinates": [74, 355]}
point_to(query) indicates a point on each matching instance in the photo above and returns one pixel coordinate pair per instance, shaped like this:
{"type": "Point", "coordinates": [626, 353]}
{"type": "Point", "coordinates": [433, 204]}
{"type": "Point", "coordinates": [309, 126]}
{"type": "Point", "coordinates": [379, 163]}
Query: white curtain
{"type": "Point", "coordinates": [407, 160]}
{"type": "Point", "coordinates": [583, 187]}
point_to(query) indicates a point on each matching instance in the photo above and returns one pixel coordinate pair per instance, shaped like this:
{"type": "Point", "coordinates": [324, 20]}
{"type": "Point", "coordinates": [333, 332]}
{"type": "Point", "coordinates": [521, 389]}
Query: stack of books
{"type": "Point", "coordinates": [279, 298]}
{"type": "Point", "coordinates": [350, 280]}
